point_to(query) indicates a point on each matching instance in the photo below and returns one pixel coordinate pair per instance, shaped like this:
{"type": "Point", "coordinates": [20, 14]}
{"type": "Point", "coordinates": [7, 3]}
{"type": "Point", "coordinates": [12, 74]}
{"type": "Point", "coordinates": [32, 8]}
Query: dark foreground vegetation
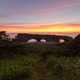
{"type": "Point", "coordinates": [39, 61]}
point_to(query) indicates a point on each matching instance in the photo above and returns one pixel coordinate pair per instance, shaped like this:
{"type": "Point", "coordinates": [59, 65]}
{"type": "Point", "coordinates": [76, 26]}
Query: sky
{"type": "Point", "coordinates": [40, 15]}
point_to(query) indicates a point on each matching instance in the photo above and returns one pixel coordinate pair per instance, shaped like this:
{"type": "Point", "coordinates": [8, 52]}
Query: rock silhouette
{"type": "Point", "coordinates": [23, 37]}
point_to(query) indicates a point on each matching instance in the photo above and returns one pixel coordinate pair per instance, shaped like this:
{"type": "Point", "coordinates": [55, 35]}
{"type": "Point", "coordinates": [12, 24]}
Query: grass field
{"type": "Point", "coordinates": [38, 62]}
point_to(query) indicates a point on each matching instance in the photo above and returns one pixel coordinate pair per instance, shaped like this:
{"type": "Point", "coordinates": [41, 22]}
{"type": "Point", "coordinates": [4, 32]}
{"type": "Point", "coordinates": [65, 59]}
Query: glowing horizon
{"type": "Point", "coordinates": [36, 28]}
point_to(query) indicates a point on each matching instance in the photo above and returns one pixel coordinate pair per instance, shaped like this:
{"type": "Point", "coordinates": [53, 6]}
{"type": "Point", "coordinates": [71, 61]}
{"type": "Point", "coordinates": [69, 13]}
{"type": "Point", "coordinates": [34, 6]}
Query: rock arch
{"type": "Point", "coordinates": [49, 38]}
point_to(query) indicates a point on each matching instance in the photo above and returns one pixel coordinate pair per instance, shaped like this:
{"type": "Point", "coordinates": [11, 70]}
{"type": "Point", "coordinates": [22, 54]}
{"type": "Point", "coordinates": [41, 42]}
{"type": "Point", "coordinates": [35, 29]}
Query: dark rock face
{"type": "Point", "coordinates": [77, 39]}
{"type": "Point", "coordinates": [49, 38]}
{"type": "Point", "coordinates": [75, 45]}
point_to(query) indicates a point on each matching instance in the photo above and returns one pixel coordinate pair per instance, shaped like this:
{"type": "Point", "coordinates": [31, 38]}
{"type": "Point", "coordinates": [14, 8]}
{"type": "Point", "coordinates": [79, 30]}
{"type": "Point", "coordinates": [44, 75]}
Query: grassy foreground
{"type": "Point", "coordinates": [38, 62]}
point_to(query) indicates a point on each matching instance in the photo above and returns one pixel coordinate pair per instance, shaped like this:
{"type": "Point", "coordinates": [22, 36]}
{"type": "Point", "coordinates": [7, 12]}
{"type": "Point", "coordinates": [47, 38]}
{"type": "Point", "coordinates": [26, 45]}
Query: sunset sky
{"type": "Point", "coordinates": [61, 16]}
